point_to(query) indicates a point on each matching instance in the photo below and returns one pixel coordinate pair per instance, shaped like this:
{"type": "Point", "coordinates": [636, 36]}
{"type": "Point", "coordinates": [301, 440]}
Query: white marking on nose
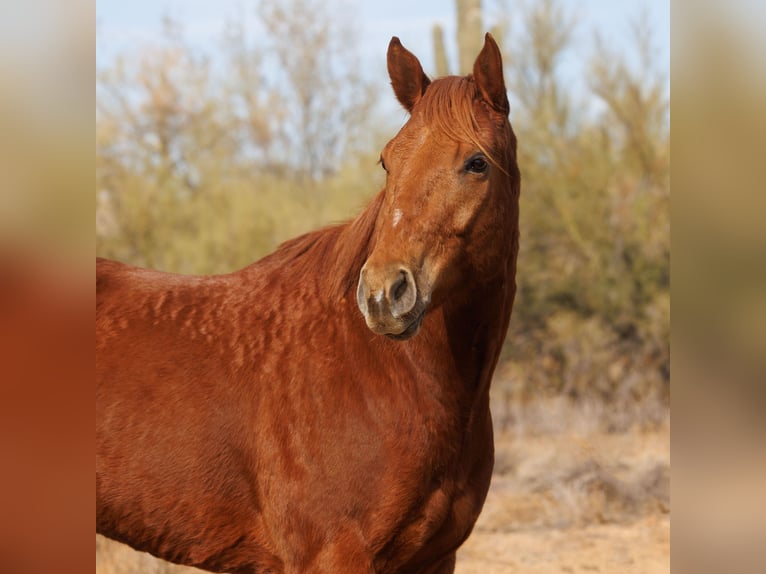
{"type": "Point", "coordinates": [397, 216]}
{"type": "Point", "coordinates": [379, 296]}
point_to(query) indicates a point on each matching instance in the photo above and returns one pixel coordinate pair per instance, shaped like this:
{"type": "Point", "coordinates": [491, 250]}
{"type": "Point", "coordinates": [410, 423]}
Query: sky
{"type": "Point", "coordinates": [123, 26]}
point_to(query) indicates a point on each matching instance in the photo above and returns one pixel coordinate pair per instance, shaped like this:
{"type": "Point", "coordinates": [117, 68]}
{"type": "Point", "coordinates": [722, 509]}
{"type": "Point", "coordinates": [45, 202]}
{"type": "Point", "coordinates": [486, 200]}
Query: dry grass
{"type": "Point", "coordinates": [568, 495]}
{"type": "Point", "coordinates": [642, 547]}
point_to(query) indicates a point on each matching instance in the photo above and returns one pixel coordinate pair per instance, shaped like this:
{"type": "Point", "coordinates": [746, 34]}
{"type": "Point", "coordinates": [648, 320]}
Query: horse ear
{"type": "Point", "coordinates": [406, 73]}
{"type": "Point", "coordinates": [488, 74]}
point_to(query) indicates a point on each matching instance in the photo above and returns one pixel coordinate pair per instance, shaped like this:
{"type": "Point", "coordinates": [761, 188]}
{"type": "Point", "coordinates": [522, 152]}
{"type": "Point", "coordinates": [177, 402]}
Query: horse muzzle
{"type": "Point", "coordinates": [390, 301]}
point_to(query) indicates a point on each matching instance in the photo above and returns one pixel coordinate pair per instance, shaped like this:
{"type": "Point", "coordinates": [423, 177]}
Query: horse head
{"type": "Point", "coordinates": [450, 204]}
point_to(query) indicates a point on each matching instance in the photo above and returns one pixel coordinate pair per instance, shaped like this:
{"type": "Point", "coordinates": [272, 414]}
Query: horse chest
{"type": "Point", "coordinates": [440, 518]}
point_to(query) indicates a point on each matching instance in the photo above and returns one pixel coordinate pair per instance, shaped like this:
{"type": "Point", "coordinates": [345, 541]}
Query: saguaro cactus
{"type": "Point", "coordinates": [440, 53]}
{"type": "Point", "coordinates": [469, 33]}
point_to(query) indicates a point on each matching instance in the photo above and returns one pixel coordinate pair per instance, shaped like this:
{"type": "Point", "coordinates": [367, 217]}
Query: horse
{"type": "Point", "coordinates": [325, 409]}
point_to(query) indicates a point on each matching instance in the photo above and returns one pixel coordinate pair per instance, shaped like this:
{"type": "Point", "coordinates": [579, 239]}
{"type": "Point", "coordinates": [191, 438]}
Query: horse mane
{"type": "Point", "coordinates": [341, 249]}
{"type": "Point", "coordinates": [448, 105]}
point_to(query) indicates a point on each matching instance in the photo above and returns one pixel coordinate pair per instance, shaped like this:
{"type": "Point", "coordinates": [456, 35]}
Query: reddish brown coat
{"type": "Point", "coordinates": [253, 422]}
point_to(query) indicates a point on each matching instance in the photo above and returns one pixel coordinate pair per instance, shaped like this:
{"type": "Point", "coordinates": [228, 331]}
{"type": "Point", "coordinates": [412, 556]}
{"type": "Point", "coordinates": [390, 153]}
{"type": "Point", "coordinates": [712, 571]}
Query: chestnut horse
{"type": "Point", "coordinates": [325, 409]}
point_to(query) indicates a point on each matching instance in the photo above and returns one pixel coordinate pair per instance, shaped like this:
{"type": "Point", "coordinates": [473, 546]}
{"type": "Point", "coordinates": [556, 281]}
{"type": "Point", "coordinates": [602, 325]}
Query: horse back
{"type": "Point", "coordinates": [173, 459]}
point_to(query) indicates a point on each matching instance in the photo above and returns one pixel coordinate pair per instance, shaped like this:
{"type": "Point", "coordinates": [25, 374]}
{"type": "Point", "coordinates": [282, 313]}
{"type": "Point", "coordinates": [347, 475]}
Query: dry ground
{"type": "Point", "coordinates": [572, 503]}
{"type": "Point", "coordinates": [566, 497]}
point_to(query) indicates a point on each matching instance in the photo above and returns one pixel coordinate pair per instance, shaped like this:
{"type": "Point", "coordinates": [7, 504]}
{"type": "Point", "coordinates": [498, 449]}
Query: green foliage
{"type": "Point", "coordinates": [226, 225]}
{"type": "Point", "coordinates": [203, 172]}
{"type": "Point", "coordinates": [593, 270]}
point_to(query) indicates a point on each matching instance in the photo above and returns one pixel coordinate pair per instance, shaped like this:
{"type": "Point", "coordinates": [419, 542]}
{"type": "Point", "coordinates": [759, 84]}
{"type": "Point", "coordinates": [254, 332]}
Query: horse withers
{"type": "Point", "coordinates": [325, 409]}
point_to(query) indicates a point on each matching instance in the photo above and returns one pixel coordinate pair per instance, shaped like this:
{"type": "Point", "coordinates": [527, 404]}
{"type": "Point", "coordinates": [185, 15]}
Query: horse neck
{"type": "Point", "coordinates": [475, 327]}
{"type": "Point", "coordinates": [476, 321]}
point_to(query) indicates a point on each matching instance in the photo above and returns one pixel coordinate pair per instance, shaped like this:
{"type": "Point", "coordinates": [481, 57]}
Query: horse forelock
{"type": "Point", "coordinates": [449, 106]}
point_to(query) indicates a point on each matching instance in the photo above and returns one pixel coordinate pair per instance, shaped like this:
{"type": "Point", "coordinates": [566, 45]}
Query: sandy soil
{"type": "Point", "coordinates": [572, 503]}
{"type": "Point", "coordinates": [642, 547]}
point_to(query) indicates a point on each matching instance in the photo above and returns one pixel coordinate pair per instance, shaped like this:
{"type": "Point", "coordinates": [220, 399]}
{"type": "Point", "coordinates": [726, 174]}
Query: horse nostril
{"type": "Point", "coordinates": [402, 293]}
{"type": "Point", "coordinates": [399, 288]}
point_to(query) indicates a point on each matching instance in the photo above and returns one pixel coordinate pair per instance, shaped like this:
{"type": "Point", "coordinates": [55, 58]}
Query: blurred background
{"type": "Point", "coordinates": [223, 129]}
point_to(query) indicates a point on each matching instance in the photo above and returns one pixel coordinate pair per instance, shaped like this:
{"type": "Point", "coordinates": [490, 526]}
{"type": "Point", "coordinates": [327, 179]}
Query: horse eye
{"type": "Point", "coordinates": [383, 164]}
{"type": "Point", "coordinates": [477, 165]}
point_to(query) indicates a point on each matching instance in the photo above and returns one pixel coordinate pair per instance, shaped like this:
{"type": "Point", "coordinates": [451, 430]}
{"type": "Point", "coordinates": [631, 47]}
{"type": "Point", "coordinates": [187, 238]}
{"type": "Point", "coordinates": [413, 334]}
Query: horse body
{"type": "Point", "coordinates": [255, 422]}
